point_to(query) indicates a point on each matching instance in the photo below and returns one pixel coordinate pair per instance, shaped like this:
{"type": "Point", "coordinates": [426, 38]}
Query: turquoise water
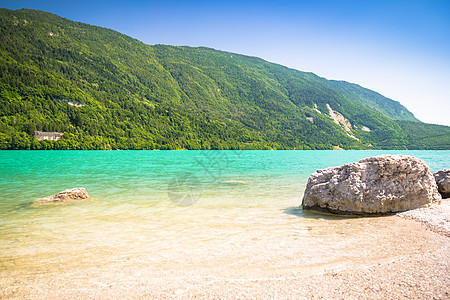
{"type": "Point", "coordinates": [162, 178]}
{"type": "Point", "coordinates": [195, 208]}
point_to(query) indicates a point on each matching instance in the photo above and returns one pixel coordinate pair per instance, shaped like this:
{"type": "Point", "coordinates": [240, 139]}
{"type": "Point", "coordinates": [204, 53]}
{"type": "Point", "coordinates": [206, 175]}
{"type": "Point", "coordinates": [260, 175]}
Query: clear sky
{"type": "Point", "coordinates": [400, 49]}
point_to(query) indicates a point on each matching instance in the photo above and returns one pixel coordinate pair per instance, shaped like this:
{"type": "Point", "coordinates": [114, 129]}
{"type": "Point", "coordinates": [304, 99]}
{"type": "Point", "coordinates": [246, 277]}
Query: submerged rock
{"type": "Point", "coordinates": [64, 196]}
{"type": "Point", "coordinates": [235, 182]}
{"type": "Point", "coordinates": [442, 178]}
{"type": "Point", "coordinates": [376, 185]}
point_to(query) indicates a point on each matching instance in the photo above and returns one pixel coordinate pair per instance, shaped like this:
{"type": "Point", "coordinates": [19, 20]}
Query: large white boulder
{"type": "Point", "coordinates": [376, 185]}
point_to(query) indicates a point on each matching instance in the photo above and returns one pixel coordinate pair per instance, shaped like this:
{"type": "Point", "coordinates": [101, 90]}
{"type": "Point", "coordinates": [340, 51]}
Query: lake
{"type": "Point", "coordinates": [229, 213]}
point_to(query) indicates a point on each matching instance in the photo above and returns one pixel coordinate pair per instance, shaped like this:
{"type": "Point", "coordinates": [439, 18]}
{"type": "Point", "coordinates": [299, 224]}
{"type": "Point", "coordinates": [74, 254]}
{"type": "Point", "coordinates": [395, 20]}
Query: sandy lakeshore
{"type": "Point", "coordinates": [356, 258]}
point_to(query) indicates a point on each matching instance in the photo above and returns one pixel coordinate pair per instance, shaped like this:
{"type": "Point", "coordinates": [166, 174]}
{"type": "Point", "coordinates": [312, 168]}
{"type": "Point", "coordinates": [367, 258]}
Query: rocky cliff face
{"type": "Point", "coordinates": [377, 185]}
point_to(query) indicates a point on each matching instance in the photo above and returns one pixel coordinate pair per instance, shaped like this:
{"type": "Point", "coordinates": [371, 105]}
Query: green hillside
{"type": "Point", "coordinates": [136, 96]}
{"type": "Point", "coordinates": [371, 99]}
{"type": "Point", "coordinates": [426, 136]}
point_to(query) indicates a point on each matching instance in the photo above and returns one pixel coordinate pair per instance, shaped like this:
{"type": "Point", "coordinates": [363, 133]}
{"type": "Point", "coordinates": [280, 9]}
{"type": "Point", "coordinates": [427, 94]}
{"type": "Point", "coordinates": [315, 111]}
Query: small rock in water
{"type": "Point", "coordinates": [377, 185]}
{"type": "Point", "coordinates": [64, 196]}
{"type": "Point", "coordinates": [442, 178]}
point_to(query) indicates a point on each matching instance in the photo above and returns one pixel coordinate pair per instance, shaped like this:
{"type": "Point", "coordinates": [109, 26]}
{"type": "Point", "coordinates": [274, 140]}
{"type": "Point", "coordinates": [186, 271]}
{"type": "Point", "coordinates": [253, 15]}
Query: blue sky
{"type": "Point", "coordinates": [400, 49]}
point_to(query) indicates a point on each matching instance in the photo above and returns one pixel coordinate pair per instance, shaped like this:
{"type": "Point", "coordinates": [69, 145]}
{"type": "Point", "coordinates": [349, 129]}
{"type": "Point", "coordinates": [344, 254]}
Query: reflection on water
{"type": "Point", "coordinates": [244, 219]}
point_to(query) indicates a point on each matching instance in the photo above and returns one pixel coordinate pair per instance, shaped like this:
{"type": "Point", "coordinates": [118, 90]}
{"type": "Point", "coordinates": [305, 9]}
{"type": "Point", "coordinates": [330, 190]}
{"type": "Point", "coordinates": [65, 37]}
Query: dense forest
{"type": "Point", "coordinates": [134, 96]}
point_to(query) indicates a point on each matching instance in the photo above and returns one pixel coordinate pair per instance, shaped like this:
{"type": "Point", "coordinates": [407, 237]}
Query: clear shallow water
{"type": "Point", "coordinates": [179, 209]}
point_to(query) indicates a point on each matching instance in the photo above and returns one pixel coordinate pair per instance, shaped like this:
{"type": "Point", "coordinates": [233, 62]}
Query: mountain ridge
{"type": "Point", "coordinates": [138, 96]}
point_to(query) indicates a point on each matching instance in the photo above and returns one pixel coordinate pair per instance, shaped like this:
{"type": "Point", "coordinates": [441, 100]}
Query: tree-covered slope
{"type": "Point", "coordinates": [138, 96]}
{"type": "Point", "coordinates": [426, 136]}
{"type": "Point", "coordinates": [371, 99]}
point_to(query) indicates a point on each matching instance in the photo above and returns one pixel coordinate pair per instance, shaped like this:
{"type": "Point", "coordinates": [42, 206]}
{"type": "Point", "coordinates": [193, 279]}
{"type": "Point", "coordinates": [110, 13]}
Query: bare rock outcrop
{"type": "Point", "coordinates": [64, 196]}
{"type": "Point", "coordinates": [377, 185]}
{"type": "Point", "coordinates": [442, 178]}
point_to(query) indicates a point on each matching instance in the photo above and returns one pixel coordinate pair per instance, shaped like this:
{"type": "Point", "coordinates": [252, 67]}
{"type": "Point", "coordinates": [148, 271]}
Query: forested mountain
{"type": "Point", "coordinates": [105, 90]}
{"type": "Point", "coordinates": [370, 99]}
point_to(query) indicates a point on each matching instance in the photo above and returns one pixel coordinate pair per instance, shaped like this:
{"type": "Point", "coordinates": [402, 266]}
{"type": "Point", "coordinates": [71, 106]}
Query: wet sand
{"type": "Point", "coordinates": [360, 258]}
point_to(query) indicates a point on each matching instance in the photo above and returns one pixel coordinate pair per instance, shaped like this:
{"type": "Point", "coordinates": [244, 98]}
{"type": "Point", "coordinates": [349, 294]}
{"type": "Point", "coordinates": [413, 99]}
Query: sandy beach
{"type": "Point", "coordinates": [357, 258]}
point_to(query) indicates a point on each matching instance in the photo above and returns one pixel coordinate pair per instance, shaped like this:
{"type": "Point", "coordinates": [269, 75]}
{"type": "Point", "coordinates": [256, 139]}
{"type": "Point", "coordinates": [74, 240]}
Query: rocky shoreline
{"type": "Point", "coordinates": [380, 185]}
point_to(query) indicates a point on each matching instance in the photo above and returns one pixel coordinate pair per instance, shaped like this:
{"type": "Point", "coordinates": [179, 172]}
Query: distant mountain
{"type": "Point", "coordinates": [105, 90]}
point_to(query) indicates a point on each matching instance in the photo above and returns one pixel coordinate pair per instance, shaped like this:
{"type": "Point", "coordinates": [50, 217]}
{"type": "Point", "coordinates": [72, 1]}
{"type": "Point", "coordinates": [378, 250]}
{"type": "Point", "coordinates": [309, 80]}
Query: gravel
{"type": "Point", "coordinates": [436, 216]}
